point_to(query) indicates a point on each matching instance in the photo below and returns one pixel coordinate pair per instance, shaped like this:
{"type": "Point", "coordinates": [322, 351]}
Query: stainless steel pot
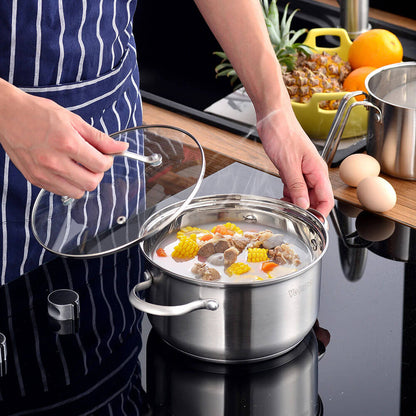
{"type": "Point", "coordinates": [391, 137]}
{"type": "Point", "coordinates": [234, 322]}
{"type": "Point", "coordinates": [393, 141]}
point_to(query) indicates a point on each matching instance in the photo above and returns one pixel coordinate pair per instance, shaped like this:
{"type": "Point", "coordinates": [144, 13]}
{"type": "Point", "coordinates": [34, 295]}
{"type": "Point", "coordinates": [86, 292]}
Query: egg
{"type": "Point", "coordinates": [354, 168]}
{"type": "Point", "coordinates": [376, 194]}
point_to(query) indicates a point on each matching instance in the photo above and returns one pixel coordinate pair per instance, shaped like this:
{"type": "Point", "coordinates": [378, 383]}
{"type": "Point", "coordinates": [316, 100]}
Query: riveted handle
{"type": "Point", "coordinates": [162, 310]}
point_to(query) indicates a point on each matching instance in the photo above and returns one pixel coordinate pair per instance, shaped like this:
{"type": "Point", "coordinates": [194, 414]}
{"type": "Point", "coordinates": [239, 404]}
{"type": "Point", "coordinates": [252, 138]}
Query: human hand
{"type": "Point", "coordinates": [52, 147]}
{"type": "Point", "coordinates": [303, 172]}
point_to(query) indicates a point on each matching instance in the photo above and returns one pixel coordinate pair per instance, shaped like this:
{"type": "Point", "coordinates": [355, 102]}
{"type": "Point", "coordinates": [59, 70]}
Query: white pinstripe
{"type": "Point", "coordinates": [27, 225]}
{"type": "Point", "coordinates": [3, 215]}
{"type": "Point", "coordinates": [13, 42]}
{"type": "Point", "coordinates": [81, 44]}
{"type": "Point", "coordinates": [61, 44]}
{"type": "Point", "coordinates": [48, 228]}
{"type": "Point", "coordinates": [38, 43]}
{"type": "Point", "coordinates": [100, 40]}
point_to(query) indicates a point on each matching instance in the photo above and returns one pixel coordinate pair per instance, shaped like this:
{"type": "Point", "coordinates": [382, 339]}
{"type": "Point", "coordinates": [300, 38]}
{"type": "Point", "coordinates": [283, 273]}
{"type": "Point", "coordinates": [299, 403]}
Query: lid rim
{"type": "Point", "coordinates": [141, 234]}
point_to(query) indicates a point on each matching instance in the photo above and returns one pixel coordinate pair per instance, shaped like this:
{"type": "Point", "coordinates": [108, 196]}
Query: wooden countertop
{"type": "Point", "coordinates": [222, 148]}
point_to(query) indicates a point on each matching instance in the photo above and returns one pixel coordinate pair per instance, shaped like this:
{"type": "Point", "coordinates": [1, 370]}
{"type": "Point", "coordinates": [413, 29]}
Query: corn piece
{"type": "Point", "coordinates": [187, 231]}
{"type": "Point", "coordinates": [187, 248]}
{"type": "Point", "coordinates": [234, 228]}
{"type": "Point", "coordinates": [228, 226]}
{"type": "Point", "coordinates": [238, 268]}
{"type": "Point", "coordinates": [256, 255]}
{"type": "Point", "coordinates": [180, 235]}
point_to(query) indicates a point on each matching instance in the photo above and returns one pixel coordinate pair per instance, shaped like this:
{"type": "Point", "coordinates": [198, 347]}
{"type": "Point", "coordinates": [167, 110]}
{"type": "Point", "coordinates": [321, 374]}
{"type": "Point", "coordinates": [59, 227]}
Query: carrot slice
{"type": "Point", "coordinates": [161, 253]}
{"type": "Point", "coordinates": [222, 229]}
{"type": "Point", "coordinates": [268, 266]}
{"type": "Point", "coordinates": [206, 237]}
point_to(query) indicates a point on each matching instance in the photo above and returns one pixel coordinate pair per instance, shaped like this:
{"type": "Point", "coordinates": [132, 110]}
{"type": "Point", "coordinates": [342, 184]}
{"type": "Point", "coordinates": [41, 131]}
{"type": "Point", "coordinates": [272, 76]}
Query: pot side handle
{"type": "Point", "coordinates": [340, 121]}
{"type": "Point", "coordinates": [161, 310]}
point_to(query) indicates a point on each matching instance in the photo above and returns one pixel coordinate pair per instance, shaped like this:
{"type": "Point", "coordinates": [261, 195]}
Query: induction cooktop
{"type": "Point", "coordinates": [359, 359]}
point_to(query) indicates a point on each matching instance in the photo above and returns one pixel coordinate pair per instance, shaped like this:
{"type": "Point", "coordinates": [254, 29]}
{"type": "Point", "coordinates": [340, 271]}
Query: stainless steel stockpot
{"type": "Point", "coordinates": [393, 140]}
{"type": "Point", "coordinates": [234, 322]}
{"type": "Point", "coordinates": [391, 133]}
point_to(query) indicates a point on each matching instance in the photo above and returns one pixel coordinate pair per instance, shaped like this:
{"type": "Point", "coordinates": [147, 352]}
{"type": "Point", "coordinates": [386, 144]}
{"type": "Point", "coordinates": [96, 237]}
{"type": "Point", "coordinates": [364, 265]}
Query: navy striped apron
{"type": "Point", "coordinates": [82, 55]}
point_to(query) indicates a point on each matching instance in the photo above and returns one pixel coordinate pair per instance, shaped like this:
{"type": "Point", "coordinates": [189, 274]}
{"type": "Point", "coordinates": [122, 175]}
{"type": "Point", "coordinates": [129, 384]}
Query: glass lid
{"type": "Point", "coordinates": [163, 165]}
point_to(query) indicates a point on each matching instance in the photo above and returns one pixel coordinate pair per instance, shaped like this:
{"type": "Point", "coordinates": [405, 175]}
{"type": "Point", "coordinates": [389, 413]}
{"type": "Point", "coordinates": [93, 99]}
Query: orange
{"type": "Point", "coordinates": [376, 47]}
{"type": "Point", "coordinates": [355, 81]}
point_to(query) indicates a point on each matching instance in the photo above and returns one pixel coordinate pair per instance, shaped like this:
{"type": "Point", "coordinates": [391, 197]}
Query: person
{"type": "Point", "coordinates": [69, 77]}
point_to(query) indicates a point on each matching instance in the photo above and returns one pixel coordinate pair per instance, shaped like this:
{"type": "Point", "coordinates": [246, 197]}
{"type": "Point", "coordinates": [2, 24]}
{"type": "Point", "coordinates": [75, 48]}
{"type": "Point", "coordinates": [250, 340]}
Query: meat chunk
{"type": "Point", "coordinates": [283, 254]}
{"type": "Point", "coordinates": [222, 245]}
{"type": "Point", "coordinates": [261, 237]}
{"type": "Point", "coordinates": [207, 249]}
{"type": "Point", "coordinates": [211, 274]}
{"type": "Point", "coordinates": [199, 269]}
{"type": "Point", "coordinates": [204, 272]}
{"type": "Point", "coordinates": [230, 256]}
{"type": "Point", "coordinates": [240, 243]}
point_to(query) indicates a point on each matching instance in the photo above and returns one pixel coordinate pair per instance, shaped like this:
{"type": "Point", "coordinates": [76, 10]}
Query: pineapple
{"type": "Point", "coordinates": [316, 73]}
{"type": "Point", "coordinates": [304, 72]}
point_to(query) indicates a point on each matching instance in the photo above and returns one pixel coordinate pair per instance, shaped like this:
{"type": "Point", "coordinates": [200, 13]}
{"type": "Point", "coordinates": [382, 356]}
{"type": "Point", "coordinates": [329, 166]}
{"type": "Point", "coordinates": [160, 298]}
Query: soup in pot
{"type": "Point", "coordinates": [231, 252]}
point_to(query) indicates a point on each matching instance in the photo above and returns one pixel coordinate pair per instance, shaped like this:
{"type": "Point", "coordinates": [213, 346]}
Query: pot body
{"type": "Point", "coordinates": [251, 321]}
{"type": "Point", "coordinates": [393, 140]}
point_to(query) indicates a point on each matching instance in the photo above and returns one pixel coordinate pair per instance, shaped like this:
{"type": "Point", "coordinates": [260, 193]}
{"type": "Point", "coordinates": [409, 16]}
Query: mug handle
{"type": "Point", "coordinates": [161, 310]}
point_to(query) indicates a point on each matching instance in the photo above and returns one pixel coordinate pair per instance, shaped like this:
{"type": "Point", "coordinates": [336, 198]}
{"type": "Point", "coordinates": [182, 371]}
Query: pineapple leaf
{"type": "Point", "coordinates": [221, 54]}
{"type": "Point", "coordinates": [265, 7]}
{"type": "Point", "coordinates": [222, 66]}
{"type": "Point", "coordinates": [282, 37]}
{"type": "Point", "coordinates": [227, 73]}
{"type": "Point", "coordinates": [273, 23]}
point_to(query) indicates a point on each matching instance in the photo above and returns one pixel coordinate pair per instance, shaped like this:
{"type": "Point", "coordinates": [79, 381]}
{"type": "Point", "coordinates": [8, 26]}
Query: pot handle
{"type": "Point", "coordinates": [320, 217]}
{"type": "Point", "coordinates": [161, 310]}
{"type": "Point", "coordinates": [340, 121]}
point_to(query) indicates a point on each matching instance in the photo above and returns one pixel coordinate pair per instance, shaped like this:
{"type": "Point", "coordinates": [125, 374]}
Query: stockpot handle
{"type": "Point", "coordinates": [340, 121]}
{"type": "Point", "coordinates": [320, 217]}
{"type": "Point", "coordinates": [161, 310]}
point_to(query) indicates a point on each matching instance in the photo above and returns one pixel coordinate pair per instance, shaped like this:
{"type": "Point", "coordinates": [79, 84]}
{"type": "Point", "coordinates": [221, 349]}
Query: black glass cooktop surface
{"type": "Point", "coordinates": [359, 359]}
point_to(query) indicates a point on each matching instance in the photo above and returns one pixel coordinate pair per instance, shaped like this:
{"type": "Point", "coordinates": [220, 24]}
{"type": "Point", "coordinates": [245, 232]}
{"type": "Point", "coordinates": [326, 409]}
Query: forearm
{"type": "Point", "coordinates": [10, 96]}
{"type": "Point", "coordinates": [241, 31]}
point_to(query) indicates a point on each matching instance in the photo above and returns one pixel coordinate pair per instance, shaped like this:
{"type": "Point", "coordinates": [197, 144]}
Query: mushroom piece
{"type": "Point", "coordinates": [273, 241]}
{"type": "Point", "coordinates": [216, 259]}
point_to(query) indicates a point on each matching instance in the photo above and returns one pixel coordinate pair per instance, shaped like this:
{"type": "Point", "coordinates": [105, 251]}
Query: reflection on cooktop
{"type": "Point", "coordinates": [112, 364]}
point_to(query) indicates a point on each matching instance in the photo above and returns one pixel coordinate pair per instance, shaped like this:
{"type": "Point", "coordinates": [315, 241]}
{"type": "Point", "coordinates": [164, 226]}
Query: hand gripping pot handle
{"type": "Point", "coordinates": [161, 310]}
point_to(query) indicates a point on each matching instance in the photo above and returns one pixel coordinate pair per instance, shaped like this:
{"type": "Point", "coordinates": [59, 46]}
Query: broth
{"type": "Point", "coordinates": [295, 252]}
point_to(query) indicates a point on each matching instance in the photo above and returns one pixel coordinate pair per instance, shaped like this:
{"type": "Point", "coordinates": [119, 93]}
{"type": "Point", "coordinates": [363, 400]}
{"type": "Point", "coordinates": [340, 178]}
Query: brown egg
{"type": "Point", "coordinates": [354, 168]}
{"type": "Point", "coordinates": [376, 194]}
